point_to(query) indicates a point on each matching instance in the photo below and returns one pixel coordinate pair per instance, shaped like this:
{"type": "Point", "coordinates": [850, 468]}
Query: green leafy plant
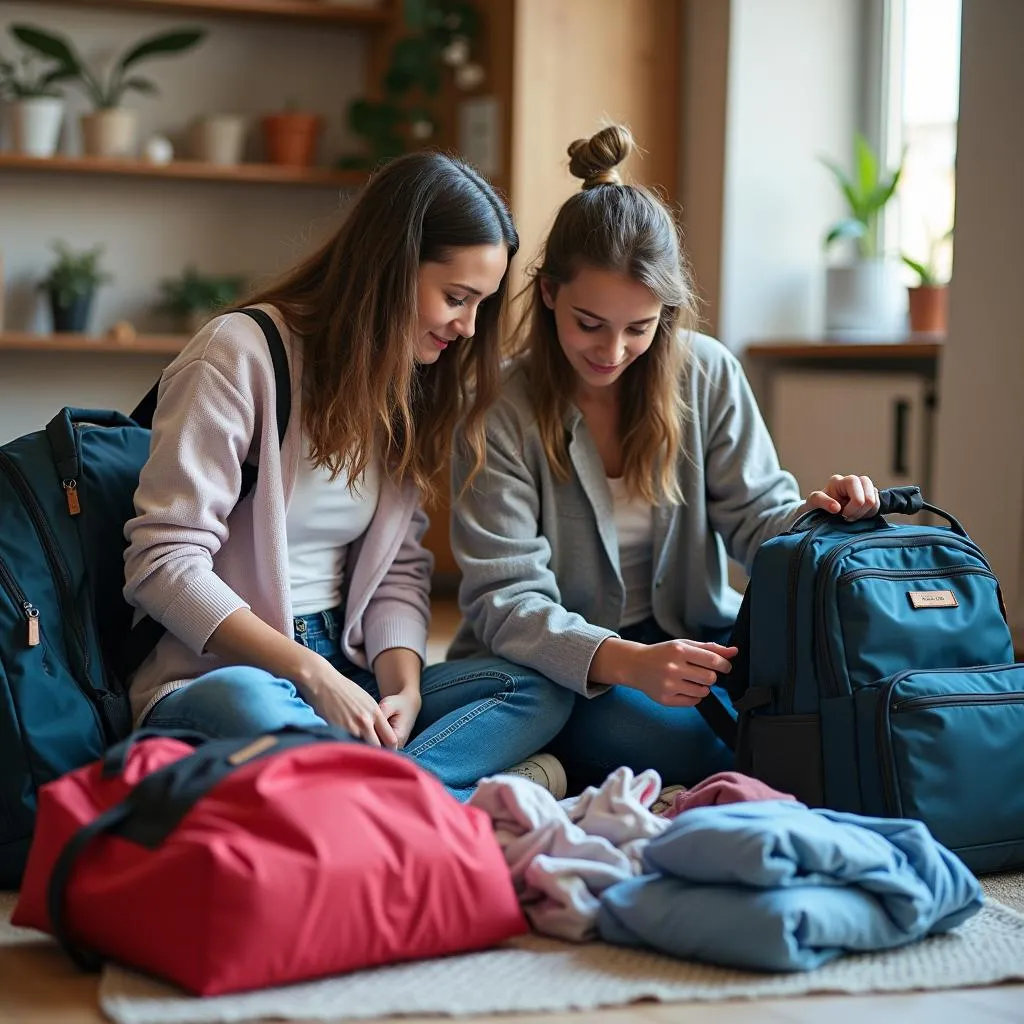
{"type": "Point", "coordinates": [74, 274]}
{"type": "Point", "coordinates": [195, 292]}
{"type": "Point", "coordinates": [928, 273]}
{"type": "Point", "coordinates": [29, 78]}
{"type": "Point", "coordinates": [440, 36]}
{"type": "Point", "coordinates": [106, 92]}
{"type": "Point", "coordinates": [866, 195]}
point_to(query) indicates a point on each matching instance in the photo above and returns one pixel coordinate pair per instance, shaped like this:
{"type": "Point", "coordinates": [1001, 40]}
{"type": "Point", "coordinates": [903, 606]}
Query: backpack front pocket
{"type": "Point", "coordinates": [950, 746]}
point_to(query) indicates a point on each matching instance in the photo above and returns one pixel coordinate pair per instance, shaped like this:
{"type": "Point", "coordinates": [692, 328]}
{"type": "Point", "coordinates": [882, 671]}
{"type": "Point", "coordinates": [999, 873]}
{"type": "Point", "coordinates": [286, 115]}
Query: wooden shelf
{"type": "Point", "coordinates": [311, 12]}
{"type": "Point", "coordinates": [186, 170]}
{"type": "Point", "coordinates": [911, 349]}
{"type": "Point", "coordinates": [144, 344]}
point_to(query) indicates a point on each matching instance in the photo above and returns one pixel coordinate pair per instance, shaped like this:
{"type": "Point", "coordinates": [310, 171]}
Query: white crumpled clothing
{"type": "Point", "coordinates": [563, 855]}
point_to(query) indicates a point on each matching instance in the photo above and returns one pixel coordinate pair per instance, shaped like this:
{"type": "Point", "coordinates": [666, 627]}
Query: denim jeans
{"type": "Point", "coordinates": [479, 716]}
{"type": "Point", "coordinates": [626, 727]}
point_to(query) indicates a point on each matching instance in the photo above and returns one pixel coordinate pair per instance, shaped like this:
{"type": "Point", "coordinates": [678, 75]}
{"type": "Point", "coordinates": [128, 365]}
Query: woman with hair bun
{"type": "Point", "coordinates": [626, 462]}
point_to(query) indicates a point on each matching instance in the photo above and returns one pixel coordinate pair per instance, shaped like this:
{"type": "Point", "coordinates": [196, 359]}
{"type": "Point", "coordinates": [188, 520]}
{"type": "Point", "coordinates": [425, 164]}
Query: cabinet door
{"type": "Point", "coordinates": [840, 422]}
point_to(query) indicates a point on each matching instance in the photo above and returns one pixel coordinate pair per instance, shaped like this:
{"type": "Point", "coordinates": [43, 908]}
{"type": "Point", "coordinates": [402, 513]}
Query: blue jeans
{"type": "Point", "coordinates": [626, 727]}
{"type": "Point", "coordinates": [479, 716]}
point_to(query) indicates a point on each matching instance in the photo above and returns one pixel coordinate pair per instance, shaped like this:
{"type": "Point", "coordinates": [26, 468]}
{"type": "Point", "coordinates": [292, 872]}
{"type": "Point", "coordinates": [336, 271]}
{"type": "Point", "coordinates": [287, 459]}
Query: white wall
{"type": "Point", "coordinates": [793, 94]}
{"type": "Point", "coordinates": [150, 227]}
{"type": "Point", "coordinates": [980, 452]}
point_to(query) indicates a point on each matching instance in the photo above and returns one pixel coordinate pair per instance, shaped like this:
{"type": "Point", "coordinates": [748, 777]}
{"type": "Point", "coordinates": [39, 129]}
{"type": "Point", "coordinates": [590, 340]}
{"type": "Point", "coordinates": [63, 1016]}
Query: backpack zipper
{"type": "Point", "coordinates": [829, 675]}
{"type": "Point", "coordinates": [58, 567]}
{"type": "Point", "coordinates": [913, 574]}
{"type": "Point", "coordinates": [28, 609]}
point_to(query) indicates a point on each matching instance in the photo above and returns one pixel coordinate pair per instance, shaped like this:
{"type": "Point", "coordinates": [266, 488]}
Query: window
{"type": "Point", "coordinates": [921, 114]}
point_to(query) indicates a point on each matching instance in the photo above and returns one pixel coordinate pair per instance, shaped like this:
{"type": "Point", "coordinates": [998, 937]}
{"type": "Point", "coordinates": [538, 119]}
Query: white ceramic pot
{"type": "Point", "coordinates": [35, 125]}
{"type": "Point", "coordinates": [219, 139]}
{"type": "Point", "coordinates": [866, 300]}
{"type": "Point", "coordinates": [109, 133]}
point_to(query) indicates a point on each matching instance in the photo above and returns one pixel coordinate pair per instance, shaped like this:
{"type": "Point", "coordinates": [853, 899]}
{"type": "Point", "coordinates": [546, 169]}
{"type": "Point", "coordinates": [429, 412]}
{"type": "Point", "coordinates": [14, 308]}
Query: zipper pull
{"type": "Point", "coordinates": [33, 624]}
{"type": "Point", "coordinates": [71, 492]}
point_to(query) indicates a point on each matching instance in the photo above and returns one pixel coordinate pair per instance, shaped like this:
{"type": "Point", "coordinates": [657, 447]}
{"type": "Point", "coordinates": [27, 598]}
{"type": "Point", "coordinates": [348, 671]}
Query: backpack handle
{"type": "Point", "coordinates": [903, 501]}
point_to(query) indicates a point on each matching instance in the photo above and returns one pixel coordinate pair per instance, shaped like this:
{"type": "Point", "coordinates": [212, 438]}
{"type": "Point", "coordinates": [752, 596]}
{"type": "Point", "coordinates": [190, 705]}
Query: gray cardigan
{"type": "Point", "coordinates": [540, 559]}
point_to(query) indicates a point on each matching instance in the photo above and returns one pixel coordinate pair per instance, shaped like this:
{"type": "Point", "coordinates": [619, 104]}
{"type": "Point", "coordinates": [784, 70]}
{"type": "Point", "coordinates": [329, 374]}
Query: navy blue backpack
{"type": "Point", "coordinates": [66, 638]}
{"type": "Point", "coordinates": [876, 676]}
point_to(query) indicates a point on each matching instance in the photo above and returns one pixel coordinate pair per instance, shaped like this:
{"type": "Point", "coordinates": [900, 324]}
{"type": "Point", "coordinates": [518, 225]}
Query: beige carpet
{"type": "Point", "coordinates": [534, 974]}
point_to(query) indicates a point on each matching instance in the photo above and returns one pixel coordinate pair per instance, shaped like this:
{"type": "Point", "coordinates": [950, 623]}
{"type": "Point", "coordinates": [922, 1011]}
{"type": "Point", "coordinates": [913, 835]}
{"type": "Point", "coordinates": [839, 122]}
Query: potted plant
{"type": "Point", "coordinates": [36, 105]}
{"type": "Point", "coordinates": [865, 297]}
{"type": "Point", "coordinates": [290, 136]}
{"type": "Point", "coordinates": [71, 285]}
{"type": "Point", "coordinates": [193, 297]}
{"type": "Point", "coordinates": [109, 131]}
{"type": "Point", "coordinates": [929, 299]}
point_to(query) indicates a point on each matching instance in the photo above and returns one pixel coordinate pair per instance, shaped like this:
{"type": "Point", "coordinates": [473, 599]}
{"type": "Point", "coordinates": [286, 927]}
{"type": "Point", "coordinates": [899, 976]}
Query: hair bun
{"type": "Point", "coordinates": [595, 159]}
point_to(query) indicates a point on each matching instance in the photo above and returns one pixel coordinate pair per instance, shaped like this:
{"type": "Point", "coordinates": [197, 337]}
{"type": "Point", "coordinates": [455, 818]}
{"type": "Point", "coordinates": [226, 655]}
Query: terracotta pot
{"type": "Point", "coordinates": [928, 305]}
{"type": "Point", "coordinates": [290, 138]}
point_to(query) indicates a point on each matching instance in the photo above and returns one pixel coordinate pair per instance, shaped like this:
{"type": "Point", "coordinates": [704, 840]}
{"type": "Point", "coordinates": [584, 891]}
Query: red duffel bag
{"type": "Point", "coordinates": [246, 863]}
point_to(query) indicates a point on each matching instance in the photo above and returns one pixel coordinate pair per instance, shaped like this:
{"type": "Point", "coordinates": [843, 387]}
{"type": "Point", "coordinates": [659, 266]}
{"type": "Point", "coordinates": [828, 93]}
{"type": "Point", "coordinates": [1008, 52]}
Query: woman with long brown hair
{"type": "Point", "coordinates": [307, 599]}
{"type": "Point", "coordinates": [631, 460]}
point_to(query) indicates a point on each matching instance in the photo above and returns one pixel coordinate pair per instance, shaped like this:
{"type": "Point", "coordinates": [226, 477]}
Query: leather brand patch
{"type": "Point", "coordinates": [932, 598]}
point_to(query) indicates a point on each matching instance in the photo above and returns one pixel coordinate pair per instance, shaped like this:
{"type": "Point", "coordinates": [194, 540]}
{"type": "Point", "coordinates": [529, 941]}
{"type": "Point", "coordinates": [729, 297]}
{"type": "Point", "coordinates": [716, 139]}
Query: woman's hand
{"type": "Point", "coordinates": [340, 701]}
{"type": "Point", "coordinates": [401, 710]}
{"type": "Point", "coordinates": [676, 673]}
{"type": "Point", "coordinates": [856, 497]}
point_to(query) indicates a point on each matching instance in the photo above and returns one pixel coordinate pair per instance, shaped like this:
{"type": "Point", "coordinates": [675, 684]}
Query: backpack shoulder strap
{"type": "Point", "coordinates": [282, 387]}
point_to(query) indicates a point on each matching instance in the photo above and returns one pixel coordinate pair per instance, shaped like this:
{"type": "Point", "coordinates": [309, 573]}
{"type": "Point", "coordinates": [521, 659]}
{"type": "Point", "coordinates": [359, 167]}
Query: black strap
{"type": "Point", "coordinates": [146, 633]}
{"type": "Point", "coordinates": [717, 716]}
{"type": "Point", "coordinates": [155, 807]}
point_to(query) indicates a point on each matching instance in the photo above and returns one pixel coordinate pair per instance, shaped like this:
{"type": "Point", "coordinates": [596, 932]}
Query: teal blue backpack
{"type": "Point", "coordinates": [66, 637]}
{"type": "Point", "coordinates": [876, 676]}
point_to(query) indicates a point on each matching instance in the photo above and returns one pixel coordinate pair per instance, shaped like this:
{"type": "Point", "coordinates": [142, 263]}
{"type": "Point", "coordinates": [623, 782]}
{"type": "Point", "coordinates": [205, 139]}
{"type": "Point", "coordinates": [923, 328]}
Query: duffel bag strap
{"type": "Point", "coordinates": [157, 804]}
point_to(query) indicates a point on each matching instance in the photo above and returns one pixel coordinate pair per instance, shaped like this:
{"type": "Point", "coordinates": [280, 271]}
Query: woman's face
{"type": "Point", "coordinates": [449, 295]}
{"type": "Point", "coordinates": [605, 321]}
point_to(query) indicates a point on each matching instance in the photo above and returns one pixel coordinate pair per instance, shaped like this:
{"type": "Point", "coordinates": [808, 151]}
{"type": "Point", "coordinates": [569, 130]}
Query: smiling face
{"type": "Point", "coordinates": [449, 295]}
{"type": "Point", "coordinates": [605, 321]}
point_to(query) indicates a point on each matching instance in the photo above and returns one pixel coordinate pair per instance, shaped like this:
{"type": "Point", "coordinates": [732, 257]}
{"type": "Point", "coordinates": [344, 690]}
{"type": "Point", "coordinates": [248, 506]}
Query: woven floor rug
{"type": "Point", "coordinates": [534, 974]}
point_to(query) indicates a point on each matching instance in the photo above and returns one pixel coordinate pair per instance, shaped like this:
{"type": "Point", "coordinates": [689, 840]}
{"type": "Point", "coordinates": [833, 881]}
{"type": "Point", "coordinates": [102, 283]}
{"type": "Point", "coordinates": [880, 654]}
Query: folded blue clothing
{"type": "Point", "coordinates": [777, 886]}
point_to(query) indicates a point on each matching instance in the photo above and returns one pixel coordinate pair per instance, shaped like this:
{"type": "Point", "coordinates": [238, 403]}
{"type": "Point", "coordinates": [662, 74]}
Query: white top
{"type": "Point", "coordinates": [323, 518]}
{"type": "Point", "coordinates": [634, 524]}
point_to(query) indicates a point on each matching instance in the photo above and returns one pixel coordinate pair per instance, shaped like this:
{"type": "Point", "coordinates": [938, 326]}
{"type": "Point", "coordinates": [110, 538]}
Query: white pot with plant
{"type": "Point", "coordinates": [110, 131]}
{"type": "Point", "coordinates": [35, 105]}
{"type": "Point", "coordinates": [864, 298]}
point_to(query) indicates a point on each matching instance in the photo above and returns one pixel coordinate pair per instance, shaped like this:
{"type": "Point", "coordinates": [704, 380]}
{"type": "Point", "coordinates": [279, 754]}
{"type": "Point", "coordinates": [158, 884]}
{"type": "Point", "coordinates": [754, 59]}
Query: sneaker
{"type": "Point", "coordinates": [544, 769]}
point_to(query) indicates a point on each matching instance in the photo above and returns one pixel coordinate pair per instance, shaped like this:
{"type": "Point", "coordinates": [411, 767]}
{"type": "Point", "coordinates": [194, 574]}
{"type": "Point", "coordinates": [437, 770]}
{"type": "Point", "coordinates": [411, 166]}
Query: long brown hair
{"type": "Point", "coordinates": [626, 229]}
{"type": "Point", "coordinates": [354, 305]}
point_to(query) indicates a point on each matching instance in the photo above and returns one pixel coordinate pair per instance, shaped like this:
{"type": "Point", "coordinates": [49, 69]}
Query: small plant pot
{"type": "Point", "coordinates": [109, 133]}
{"type": "Point", "coordinates": [928, 309]}
{"type": "Point", "coordinates": [290, 139]}
{"type": "Point", "coordinates": [865, 300]}
{"type": "Point", "coordinates": [74, 317]}
{"type": "Point", "coordinates": [219, 139]}
{"type": "Point", "coordinates": [35, 125]}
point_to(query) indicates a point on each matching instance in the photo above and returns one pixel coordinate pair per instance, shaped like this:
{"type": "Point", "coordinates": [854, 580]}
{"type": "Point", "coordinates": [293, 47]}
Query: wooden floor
{"type": "Point", "coordinates": [39, 986]}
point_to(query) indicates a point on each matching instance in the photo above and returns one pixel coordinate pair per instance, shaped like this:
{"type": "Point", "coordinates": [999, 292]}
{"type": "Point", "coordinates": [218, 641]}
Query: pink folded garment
{"type": "Point", "coordinates": [723, 788]}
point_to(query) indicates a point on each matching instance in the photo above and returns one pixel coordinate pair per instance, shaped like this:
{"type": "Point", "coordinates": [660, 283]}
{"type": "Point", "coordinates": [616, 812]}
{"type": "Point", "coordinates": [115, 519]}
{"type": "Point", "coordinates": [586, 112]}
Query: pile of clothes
{"type": "Point", "coordinates": [732, 872]}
